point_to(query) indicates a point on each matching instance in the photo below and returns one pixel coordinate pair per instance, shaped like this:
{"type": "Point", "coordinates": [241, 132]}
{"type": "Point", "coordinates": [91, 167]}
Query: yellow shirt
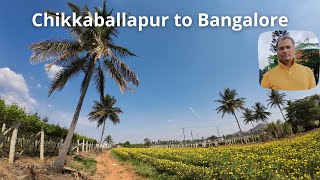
{"type": "Point", "coordinates": [297, 77]}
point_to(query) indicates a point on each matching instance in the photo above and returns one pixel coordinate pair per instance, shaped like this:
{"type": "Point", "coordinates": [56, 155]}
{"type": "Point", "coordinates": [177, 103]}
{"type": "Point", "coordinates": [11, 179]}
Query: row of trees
{"type": "Point", "coordinates": [301, 114]}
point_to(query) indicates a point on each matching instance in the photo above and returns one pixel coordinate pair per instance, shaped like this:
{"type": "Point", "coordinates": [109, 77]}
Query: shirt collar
{"type": "Point", "coordinates": [284, 66]}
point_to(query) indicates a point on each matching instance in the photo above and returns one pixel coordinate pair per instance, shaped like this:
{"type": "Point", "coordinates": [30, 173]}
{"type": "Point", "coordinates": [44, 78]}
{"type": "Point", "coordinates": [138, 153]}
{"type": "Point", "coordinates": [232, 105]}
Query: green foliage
{"type": "Point", "coordinates": [260, 113]}
{"type": "Point", "coordinates": [76, 136]}
{"type": "Point", "coordinates": [248, 116]}
{"type": "Point", "coordinates": [304, 114]}
{"type": "Point", "coordinates": [108, 139]}
{"type": "Point", "coordinates": [147, 142]}
{"type": "Point", "coordinates": [279, 129]}
{"type": "Point", "coordinates": [31, 124]}
{"type": "Point", "coordinates": [84, 164]}
{"type": "Point", "coordinates": [229, 103]}
{"type": "Point", "coordinates": [103, 110]}
{"type": "Point", "coordinates": [287, 128]}
{"type": "Point", "coordinates": [143, 169]}
{"type": "Point", "coordinates": [127, 144]}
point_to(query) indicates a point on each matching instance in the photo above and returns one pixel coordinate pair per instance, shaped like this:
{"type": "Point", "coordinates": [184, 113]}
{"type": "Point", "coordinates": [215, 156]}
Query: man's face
{"type": "Point", "coordinates": [286, 51]}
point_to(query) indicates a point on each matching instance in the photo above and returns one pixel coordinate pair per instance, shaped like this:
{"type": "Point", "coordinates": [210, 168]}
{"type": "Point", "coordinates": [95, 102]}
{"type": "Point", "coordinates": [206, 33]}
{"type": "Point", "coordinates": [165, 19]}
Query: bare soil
{"type": "Point", "coordinates": [27, 168]}
{"type": "Point", "coordinates": [108, 168]}
{"type": "Point", "coordinates": [30, 168]}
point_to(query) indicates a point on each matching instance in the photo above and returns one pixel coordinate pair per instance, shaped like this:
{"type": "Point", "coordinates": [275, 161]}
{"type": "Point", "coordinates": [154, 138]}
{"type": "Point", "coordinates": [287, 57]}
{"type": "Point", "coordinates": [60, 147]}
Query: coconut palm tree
{"type": "Point", "coordinates": [91, 51]}
{"type": "Point", "coordinates": [260, 113]}
{"type": "Point", "coordinates": [248, 116]}
{"type": "Point", "coordinates": [108, 139]}
{"type": "Point", "coordinates": [229, 103]}
{"type": "Point", "coordinates": [103, 110]}
{"type": "Point", "coordinates": [276, 99]}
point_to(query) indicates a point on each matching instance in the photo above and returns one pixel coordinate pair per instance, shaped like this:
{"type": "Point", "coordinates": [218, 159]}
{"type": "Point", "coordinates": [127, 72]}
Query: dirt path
{"type": "Point", "coordinates": [108, 168]}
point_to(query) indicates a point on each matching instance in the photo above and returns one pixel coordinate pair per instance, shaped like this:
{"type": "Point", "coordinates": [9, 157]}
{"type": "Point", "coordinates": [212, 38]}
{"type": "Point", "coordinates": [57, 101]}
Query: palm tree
{"type": "Point", "coordinates": [229, 103]}
{"type": "Point", "coordinates": [276, 99]}
{"type": "Point", "coordinates": [103, 110]}
{"type": "Point", "coordinates": [260, 113]}
{"type": "Point", "coordinates": [248, 116]}
{"type": "Point", "coordinates": [91, 51]}
{"type": "Point", "coordinates": [108, 139]}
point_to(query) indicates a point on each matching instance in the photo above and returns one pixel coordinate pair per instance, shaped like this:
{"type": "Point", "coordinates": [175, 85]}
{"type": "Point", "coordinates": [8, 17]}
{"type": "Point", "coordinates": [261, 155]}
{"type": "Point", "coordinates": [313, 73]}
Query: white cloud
{"type": "Point", "coordinates": [52, 71]}
{"type": "Point", "coordinates": [170, 120]}
{"type": "Point", "coordinates": [39, 85]}
{"type": "Point", "coordinates": [13, 89]}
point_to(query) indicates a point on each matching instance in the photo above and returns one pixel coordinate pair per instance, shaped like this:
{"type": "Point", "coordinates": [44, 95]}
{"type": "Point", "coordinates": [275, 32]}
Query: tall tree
{"type": "Point", "coordinates": [91, 51]}
{"type": "Point", "coordinates": [147, 142]}
{"type": "Point", "coordinates": [304, 113]}
{"type": "Point", "coordinates": [275, 36]}
{"type": "Point", "coordinates": [229, 103]}
{"type": "Point", "coordinates": [260, 113]}
{"type": "Point", "coordinates": [276, 99]}
{"type": "Point", "coordinates": [108, 139]}
{"type": "Point", "coordinates": [103, 110]}
{"type": "Point", "coordinates": [248, 116]}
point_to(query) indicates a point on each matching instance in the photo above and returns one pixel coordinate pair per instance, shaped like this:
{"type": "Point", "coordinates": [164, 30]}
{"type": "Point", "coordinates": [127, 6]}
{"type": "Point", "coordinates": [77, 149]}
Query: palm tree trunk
{"type": "Point", "coordinates": [104, 125]}
{"type": "Point", "coordinates": [282, 113]}
{"type": "Point", "coordinates": [59, 162]}
{"type": "Point", "coordinates": [238, 123]}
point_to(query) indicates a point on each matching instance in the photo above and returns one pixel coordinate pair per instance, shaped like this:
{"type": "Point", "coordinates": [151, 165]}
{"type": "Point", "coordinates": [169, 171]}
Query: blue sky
{"type": "Point", "coordinates": [181, 70]}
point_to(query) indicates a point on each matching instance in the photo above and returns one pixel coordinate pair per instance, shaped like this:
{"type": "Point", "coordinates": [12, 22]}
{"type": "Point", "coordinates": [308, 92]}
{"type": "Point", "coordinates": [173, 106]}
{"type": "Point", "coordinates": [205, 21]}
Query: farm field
{"type": "Point", "coordinates": [291, 158]}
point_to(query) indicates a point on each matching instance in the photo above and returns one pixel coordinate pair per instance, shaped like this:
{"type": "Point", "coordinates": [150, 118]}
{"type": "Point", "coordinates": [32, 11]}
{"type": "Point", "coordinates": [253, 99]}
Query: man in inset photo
{"type": "Point", "coordinates": [288, 74]}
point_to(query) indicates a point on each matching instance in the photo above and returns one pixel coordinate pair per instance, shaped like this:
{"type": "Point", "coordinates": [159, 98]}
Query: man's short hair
{"type": "Point", "coordinates": [284, 38]}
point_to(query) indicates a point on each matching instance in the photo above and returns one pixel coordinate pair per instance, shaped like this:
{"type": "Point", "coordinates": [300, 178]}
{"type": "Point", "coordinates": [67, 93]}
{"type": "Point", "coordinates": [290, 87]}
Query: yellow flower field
{"type": "Point", "coordinates": [292, 158]}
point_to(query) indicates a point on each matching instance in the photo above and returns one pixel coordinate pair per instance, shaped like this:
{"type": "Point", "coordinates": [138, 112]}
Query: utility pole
{"type": "Point", "coordinates": [184, 136]}
{"type": "Point", "coordinates": [218, 131]}
{"type": "Point", "coordinates": [191, 135]}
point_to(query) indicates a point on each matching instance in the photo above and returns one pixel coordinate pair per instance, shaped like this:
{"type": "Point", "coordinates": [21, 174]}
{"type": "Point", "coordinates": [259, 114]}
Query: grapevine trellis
{"type": "Point", "coordinates": [17, 146]}
{"type": "Point", "coordinates": [29, 134]}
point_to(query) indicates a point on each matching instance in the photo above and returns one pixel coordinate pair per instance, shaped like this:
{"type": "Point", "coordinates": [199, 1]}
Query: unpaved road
{"type": "Point", "coordinates": [108, 168]}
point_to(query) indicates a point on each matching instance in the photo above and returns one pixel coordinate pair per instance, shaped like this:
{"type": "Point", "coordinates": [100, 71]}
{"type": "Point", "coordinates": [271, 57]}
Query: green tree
{"type": "Point", "coordinates": [103, 110]}
{"type": "Point", "coordinates": [248, 116]}
{"type": "Point", "coordinates": [2, 111]}
{"type": "Point", "coordinates": [260, 113]}
{"type": "Point", "coordinates": [229, 103]}
{"type": "Point", "coordinates": [304, 113]}
{"type": "Point", "coordinates": [91, 51]}
{"type": "Point", "coordinates": [108, 139]}
{"type": "Point", "coordinates": [276, 99]}
{"type": "Point", "coordinates": [127, 144]}
{"type": "Point", "coordinates": [14, 114]}
{"type": "Point", "coordinates": [147, 142]}
{"type": "Point", "coordinates": [275, 36]}
{"type": "Point", "coordinates": [309, 56]}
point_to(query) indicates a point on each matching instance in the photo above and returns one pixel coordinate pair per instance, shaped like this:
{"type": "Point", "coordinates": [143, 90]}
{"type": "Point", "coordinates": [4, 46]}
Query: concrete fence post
{"type": "Point", "coordinates": [83, 145]}
{"type": "Point", "coordinates": [42, 145]}
{"type": "Point", "coordinates": [13, 143]}
{"type": "Point", "coordinates": [78, 144]}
